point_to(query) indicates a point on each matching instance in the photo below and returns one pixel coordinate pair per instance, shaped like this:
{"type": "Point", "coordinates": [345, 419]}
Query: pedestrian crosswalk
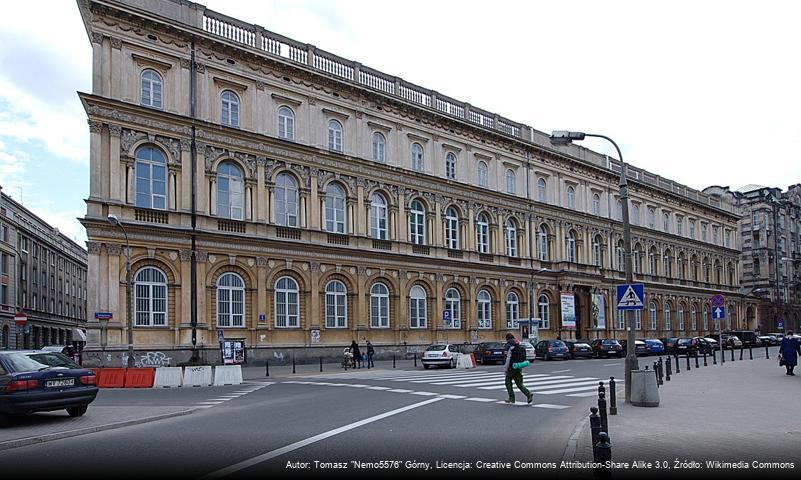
{"type": "Point", "coordinates": [244, 389]}
{"type": "Point", "coordinates": [540, 383]}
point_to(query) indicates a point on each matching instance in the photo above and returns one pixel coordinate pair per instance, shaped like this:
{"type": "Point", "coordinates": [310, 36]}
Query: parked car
{"type": "Point", "coordinates": [579, 349]}
{"type": "Point", "coordinates": [39, 381]}
{"type": "Point", "coordinates": [705, 346]}
{"type": "Point", "coordinates": [490, 352]}
{"type": "Point", "coordinates": [713, 342]}
{"type": "Point", "coordinates": [686, 346]}
{"type": "Point", "coordinates": [748, 337]}
{"type": "Point", "coordinates": [654, 346]}
{"type": "Point", "coordinates": [731, 341]}
{"type": "Point", "coordinates": [640, 349]}
{"type": "Point", "coordinates": [769, 340]}
{"type": "Point", "coordinates": [531, 352]}
{"type": "Point", "coordinates": [606, 347]}
{"type": "Point", "coordinates": [779, 336]}
{"type": "Point", "coordinates": [550, 349]}
{"type": "Point", "coordinates": [669, 343]}
{"type": "Point", "coordinates": [441, 354]}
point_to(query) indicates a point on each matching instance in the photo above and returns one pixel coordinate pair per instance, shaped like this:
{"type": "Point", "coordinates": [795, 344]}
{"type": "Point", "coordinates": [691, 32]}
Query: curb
{"type": "Point", "coordinates": [572, 442]}
{"type": "Point", "coordinates": [22, 442]}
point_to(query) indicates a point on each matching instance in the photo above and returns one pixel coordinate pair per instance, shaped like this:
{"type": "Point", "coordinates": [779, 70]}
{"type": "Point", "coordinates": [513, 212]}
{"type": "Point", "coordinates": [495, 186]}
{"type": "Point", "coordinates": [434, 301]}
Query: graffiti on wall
{"type": "Point", "coordinates": [149, 359]}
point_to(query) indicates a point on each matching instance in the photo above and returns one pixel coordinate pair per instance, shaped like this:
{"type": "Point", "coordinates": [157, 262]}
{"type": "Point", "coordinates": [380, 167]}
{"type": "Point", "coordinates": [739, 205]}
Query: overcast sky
{"type": "Point", "coordinates": [704, 93]}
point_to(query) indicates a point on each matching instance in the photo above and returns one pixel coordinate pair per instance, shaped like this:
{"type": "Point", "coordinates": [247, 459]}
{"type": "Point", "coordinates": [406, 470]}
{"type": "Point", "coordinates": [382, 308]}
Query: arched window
{"type": "Point", "coordinates": [571, 197]}
{"type": "Point", "coordinates": [150, 287]}
{"type": "Point", "coordinates": [667, 315]}
{"type": "Point", "coordinates": [230, 190]}
{"type": "Point", "coordinates": [417, 307]}
{"type": "Point", "coordinates": [665, 222]}
{"type": "Point", "coordinates": [652, 316]}
{"type": "Point", "coordinates": [229, 108]}
{"type": "Point", "coordinates": [417, 222]}
{"type": "Point", "coordinates": [680, 315]}
{"type": "Point", "coordinates": [334, 136]}
{"type": "Point", "coordinates": [150, 88]}
{"type": "Point", "coordinates": [484, 310]}
{"type": "Point", "coordinates": [693, 318]}
{"type": "Point", "coordinates": [619, 211]}
{"type": "Point", "coordinates": [287, 304]}
{"type": "Point", "coordinates": [542, 190]}
{"type": "Point", "coordinates": [694, 268]}
{"type": "Point", "coordinates": [378, 217]}
{"type": "Point", "coordinates": [482, 233]}
{"type": "Point", "coordinates": [652, 270]}
{"type": "Point", "coordinates": [543, 243]}
{"type": "Point", "coordinates": [286, 200]}
{"type": "Point", "coordinates": [679, 226]}
{"type": "Point", "coordinates": [417, 157]}
{"type": "Point", "coordinates": [637, 259]}
{"type": "Point", "coordinates": [571, 246]}
{"type": "Point", "coordinates": [151, 178]}
{"type": "Point", "coordinates": [682, 266]}
{"type": "Point", "coordinates": [638, 319]}
{"type": "Point", "coordinates": [651, 218]}
{"type": "Point", "coordinates": [286, 123]}
{"type": "Point", "coordinates": [379, 147]}
{"type": "Point", "coordinates": [483, 181]}
{"type": "Point", "coordinates": [705, 268]}
{"type": "Point", "coordinates": [597, 252]}
{"type": "Point", "coordinates": [512, 310]}
{"type": "Point", "coordinates": [451, 228]}
{"type": "Point", "coordinates": [336, 305]}
{"type": "Point", "coordinates": [668, 264]}
{"type": "Point", "coordinates": [453, 305]}
{"type": "Point", "coordinates": [511, 238]}
{"type": "Point", "coordinates": [511, 181]}
{"type": "Point", "coordinates": [635, 214]}
{"type": "Point", "coordinates": [705, 318]}
{"type": "Point", "coordinates": [544, 309]}
{"type": "Point", "coordinates": [621, 259]}
{"type": "Point", "coordinates": [230, 301]}
{"type": "Point", "coordinates": [379, 306]}
{"type": "Point", "coordinates": [334, 208]}
{"type": "Point", "coordinates": [596, 204]}
{"type": "Point", "coordinates": [621, 320]}
{"type": "Point", "coordinates": [450, 166]}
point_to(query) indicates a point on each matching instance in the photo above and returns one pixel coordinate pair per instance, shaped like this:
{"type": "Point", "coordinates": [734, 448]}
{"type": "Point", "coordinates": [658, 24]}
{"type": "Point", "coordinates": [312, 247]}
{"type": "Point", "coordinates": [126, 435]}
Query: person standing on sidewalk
{"type": "Point", "coordinates": [357, 355]}
{"type": "Point", "coordinates": [789, 350]}
{"type": "Point", "coordinates": [514, 358]}
{"type": "Point", "coordinates": [370, 353]}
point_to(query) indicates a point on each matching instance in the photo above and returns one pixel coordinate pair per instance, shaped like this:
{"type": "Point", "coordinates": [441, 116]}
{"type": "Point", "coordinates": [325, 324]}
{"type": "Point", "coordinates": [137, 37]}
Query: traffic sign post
{"type": "Point", "coordinates": [20, 319]}
{"type": "Point", "coordinates": [717, 300]}
{"type": "Point", "coordinates": [719, 313]}
{"type": "Point", "coordinates": [630, 296]}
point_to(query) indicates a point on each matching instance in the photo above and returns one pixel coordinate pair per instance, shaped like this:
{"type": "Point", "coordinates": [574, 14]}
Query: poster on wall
{"type": "Point", "coordinates": [598, 311]}
{"type": "Point", "coordinates": [568, 310]}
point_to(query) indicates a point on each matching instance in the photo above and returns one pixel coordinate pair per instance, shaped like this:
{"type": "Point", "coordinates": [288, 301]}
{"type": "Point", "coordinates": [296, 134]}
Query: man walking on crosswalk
{"type": "Point", "coordinates": [515, 357]}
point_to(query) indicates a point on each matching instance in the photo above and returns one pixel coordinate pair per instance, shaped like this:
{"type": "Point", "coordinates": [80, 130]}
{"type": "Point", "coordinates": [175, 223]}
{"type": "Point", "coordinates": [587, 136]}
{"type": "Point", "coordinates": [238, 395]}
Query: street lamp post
{"type": "Point", "coordinates": [562, 137]}
{"type": "Point", "coordinates": [129, 298]}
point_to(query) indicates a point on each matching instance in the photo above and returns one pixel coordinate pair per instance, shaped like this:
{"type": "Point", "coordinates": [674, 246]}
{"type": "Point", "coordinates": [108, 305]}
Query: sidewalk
{"type": "Point", "coordinates": [742, 411]}
{"type": "Point", "coordinates": [48, 426]}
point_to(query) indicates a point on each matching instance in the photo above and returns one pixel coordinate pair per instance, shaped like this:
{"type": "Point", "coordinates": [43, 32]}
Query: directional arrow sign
{"type": "Point", "coordinates": [718, 313]}
{"type": "Point", "coordinates": [630, 296]}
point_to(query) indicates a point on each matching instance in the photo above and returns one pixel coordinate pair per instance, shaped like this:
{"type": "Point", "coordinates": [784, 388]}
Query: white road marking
{"type": "Point", "coordinates": [453, 397]}
{"type": "Point", "coordinates": [518, 404]}
{"type": "Point", "coordinates": [611, 364]}
{"type": "Point", "coordinates": [377, 388]}
{"type": "Point", "coordinates": [209, 403]}
{"type": "Point", "coordinates": [587, 394]}
{"type": "Point", "coordinates": [562, 371]}
{"type": "Point", "coordinates": [479, 399]}
{"type": "Point", "coordinates": [567, 390]}
{"type": "Point", "coordinates": [549, 405]}
{"type": "Point", "coordinates": [399, 390]}
{"type": "Point", "coordinates": [546, 381]}
{"type": "Point", "coordinates": [424, 394]}
{"type": "Point", "coordinates": [502, 380]}
{"type": "Point", "coordinates": [294, 446]}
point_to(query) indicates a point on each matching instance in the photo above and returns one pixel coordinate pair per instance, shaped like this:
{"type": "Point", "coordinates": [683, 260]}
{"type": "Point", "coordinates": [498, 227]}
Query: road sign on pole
{"type": "Point", "coordinates": [20, 318]}
{"type": "Point", "coordinates": [717, 300]}
{"type": "Point", "coordinates": [719, 313]}
{"type": "Point", "coordinates": [630, 296]}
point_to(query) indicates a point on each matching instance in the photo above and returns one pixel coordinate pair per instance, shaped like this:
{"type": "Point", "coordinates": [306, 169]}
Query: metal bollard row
{"type": "Point", "coordinates": [612, 397]}
{"type": "Point", "coordinates": [668, 364]}
{"type": "Point", "coordinates": [604, 448]}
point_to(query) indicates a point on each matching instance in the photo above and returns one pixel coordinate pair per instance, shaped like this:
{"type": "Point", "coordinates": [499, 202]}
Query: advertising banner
{"type": "Point", "coordinates": [598, 311]}
{"type": "Point", "coordinates": [568, 301]}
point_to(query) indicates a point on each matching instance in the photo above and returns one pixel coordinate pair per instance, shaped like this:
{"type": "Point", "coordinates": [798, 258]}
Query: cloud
{"type": "Point", "coordinates": [12, 169]}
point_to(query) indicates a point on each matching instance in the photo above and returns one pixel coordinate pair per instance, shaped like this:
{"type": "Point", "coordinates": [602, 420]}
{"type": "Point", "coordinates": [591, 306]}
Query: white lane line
{"type": "Point", "coordinates": [611, 364]}
{"type": "Point", "coordinates": [562, 371]}
{"type": "Point", "coordinates": [587, 394]}
{"type": "Point", "coordinates": [503, 380]}
{"type": "Point", "coordinates": [398, 390]}
{"type": "Point", "coordinates": [208, 403]}
{"type": "Point", "coordinates": [479, 399]}
{"type": "Point", "coordinates": [556, 383]}
{"type": "Point", "coordinates": [203, 406]}
{"type": "Point", "coordinates": [567, 390]}
{"type": "Point", "coordinates": [551, 406]}
{"type": "Point", "coordinates": [220, 399]}
{"type": "Point", "coordinates": [423, 394]}
{"type": "Point", "coordinates": [453, 397]}
{"type": "Point", "coordinates": [460, 378]}
{"type": "Point", "coordinates": [356, 385]}
{"type": "Point", "coordinates": [294, 446]}
{"type": "Point", "coordinates": [377, 388]}
{"type": "Point", "coordinates": [517, 404]}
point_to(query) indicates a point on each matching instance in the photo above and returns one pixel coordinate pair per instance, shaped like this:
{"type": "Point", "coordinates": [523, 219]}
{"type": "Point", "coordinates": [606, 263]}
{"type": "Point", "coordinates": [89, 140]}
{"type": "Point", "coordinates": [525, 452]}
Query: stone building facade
{"type": "Point", "coordinates": [317, 201]}
{"type": "Point", "coordinates": [43, 274]}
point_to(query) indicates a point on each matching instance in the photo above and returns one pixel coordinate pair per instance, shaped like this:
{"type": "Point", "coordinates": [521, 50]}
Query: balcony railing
{"type": "Point", "coordinates": [337, 239]}
{"type": "Point", "coordinates": [455, 253]}
{"type": "Point", "coordinates": [151, 216]}
{"type": "Point", "coordinates": [382, 245]}
{"type": "Point", "coordinates": [234, 226]}
{"type": "Point", "coordinates": [421, 250]}
{"type": "Point", "coordinates": [485, 257]}
{"type": "Point", "coordinates": [514, 261]}
{"type": "Point", "coordinates": [288, 233]}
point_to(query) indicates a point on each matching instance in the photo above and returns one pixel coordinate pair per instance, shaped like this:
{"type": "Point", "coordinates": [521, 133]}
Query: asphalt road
{"type": "Point", "coordinates": [414, 417]}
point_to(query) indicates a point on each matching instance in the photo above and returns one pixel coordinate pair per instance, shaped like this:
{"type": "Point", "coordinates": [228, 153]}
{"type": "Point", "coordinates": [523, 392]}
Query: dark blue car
{"type": "Point", "coordinates": [490, 352]}
{"type": "Point", "coordinates": [39, 381]}
{"type": "Point", "coordinates": [550, 349]}
{"type": "Point", "coordinates": [654, 346]}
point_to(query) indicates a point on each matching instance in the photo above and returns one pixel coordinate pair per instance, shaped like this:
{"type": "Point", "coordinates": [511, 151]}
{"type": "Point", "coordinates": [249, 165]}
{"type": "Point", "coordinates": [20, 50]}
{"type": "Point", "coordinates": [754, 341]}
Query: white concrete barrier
{"type": "Point", "coordinates": [197, 376]}
{"type": "Point", "coordinates": [168, 377]}
{"type": "Point", "coordinates": [228, 375]}
{"type": "Point", "coordinates": [465, 361]}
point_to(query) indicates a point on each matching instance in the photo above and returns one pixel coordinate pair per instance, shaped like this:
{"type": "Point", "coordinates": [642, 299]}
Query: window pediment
{"type": "Point", "coordinates": [379, 126]}
{"type": "Point", "coordinates": [417, 138]}
{"type": "Point", "coordinates": [224, 82]}
{"type": "Point", "coordinates": [283, 99]}
{"type": "Point", "coordinates": [336, 114]}
{"type": "Point", "coordinates": [151, 62]}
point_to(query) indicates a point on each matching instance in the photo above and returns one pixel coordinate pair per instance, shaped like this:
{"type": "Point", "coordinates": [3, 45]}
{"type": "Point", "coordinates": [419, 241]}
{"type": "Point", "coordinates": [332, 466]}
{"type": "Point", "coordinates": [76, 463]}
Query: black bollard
{"type": "Point", "coordinates": [722, 355]}
{"type": "Point", "coordinates": [696, 361]}
{"type": "Point", "coordinates": [766, 352]}
{"type": "Point", "coordinates": [732, 353]}
{"type": "Point", "coordinates": [661, 374]}
{"type": "Point", "coordinates": [415, 359]}
{"type": "Point", "coordinates": [741, 352]}
{"type": "Point", "coordinates": [595, 429]}
{"type": "Point", "coordinates": [612, 397]}
{"type": "Point", "coordinates": [669, 372]}
{"type": "Point", "coordinates": [602, 411]}
{"type": "Point", "coordinates": [267, 368]}
{"type": "Point", "coordinates": [601, 389]}
{"type": "Point", "coordinates": [688, 361]}
{"type": "Point", "coordinates": [656, 372]}
{"type": "Point", "coordinates": [714, 358]}
{"type": "Point", "coordinates": [604, 455]}
{"type": "Point", "coordinates": [678, 370]}
{"type": "Point", "coordinates": [393, 360]}
{"type": "Point", "coordinates": [321, 364]}
{"type": "Point", "coordinates": [705, 364]}
{"type": "Point", "coordinates": [293, 363]}
{"type": "Point", "coordinates": [750, 353]}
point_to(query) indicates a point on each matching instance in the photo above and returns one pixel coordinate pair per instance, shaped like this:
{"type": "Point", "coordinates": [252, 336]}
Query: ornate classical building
{"type": "Point", "coordinates": [292, 198]}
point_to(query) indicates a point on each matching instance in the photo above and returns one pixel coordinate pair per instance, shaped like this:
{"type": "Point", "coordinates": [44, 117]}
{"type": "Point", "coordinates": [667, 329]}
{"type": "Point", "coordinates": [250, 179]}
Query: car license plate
{"type": "Point", "coordinates": [497, 353]}
{"type": "Point", "coordinates": [66, 382]}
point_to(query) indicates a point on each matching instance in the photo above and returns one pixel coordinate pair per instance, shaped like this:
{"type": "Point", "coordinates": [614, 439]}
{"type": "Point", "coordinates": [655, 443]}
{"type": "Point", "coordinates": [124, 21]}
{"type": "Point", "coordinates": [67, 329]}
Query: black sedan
{"type": "Point", "coordinates": [640, 347]}
{"type": "Point", "coordinates": [490, 352]}
{"type": "Point", "coordinates": [686, 346]}
{"type": "Point", "coordinates": [39, 381]}
{"type": "Point", "coordinates": [606, 347]}
{"type": "Point", "coordinates": [578, 349]}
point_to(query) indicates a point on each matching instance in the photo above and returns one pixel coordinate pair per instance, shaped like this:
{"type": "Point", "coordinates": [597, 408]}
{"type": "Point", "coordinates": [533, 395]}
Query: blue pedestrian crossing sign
{"type": "Point", "coordinates": [630, 296]}
{"type": "Point", "coordinates": [718, 313]}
